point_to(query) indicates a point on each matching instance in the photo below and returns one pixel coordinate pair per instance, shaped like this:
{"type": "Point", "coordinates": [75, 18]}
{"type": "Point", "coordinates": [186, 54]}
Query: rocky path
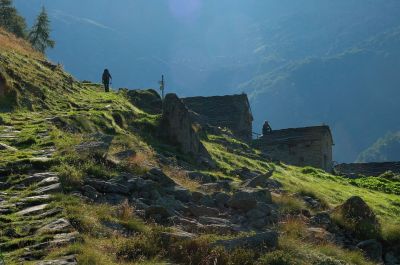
{"type": "Point", "coordinates": [31, 223]}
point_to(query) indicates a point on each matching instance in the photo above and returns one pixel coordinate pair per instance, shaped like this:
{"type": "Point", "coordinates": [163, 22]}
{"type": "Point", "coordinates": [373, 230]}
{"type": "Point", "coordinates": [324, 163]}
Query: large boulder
{"type": "Point", "coordinates": [176, 127]}
{"type": "Point", "coordinates": [357, 217]}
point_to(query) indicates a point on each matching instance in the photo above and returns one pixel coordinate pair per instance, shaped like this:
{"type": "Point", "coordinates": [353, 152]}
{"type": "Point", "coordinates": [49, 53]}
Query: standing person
{"type": "Point", "coordinates": [106, 80]}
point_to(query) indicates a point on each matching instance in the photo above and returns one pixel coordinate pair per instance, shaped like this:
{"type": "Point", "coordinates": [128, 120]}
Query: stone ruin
{"type": "Point", "coordinates": [232, 112]}
{"type": "Point", "coordinates": [177, 127]}
{"type": "Point", "coordinates": [308, 146]}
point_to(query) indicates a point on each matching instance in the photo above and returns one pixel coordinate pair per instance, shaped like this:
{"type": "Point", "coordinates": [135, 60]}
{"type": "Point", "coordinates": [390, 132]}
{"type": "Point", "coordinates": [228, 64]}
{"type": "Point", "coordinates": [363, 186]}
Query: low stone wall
{"type": "Point", "coordinates": [367, 169]}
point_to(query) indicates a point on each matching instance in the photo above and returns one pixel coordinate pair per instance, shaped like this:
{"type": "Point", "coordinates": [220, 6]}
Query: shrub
{"type": "Point", "coordinates": [141, 247]}
{"type": "Point", "coordinates": [70, 176]}
{"type": "Point", "coordinates": [242, 257]}
{"type": "Point", "coordinates": [288, 204]}
{"type": "Point", "coordinates": [278, 257]}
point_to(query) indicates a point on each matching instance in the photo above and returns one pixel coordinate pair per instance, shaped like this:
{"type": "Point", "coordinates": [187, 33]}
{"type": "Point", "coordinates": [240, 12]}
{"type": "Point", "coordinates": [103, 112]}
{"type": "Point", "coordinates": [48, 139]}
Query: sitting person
{"type": "Point", "coordinates": [266, 128]}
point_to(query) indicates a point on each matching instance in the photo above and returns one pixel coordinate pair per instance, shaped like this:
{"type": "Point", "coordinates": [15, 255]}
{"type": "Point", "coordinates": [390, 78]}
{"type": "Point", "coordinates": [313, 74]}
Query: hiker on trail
{"type": "Point", "coordinates": [106, 80]}
{"type": "Point", "coordinates": [266, 128]}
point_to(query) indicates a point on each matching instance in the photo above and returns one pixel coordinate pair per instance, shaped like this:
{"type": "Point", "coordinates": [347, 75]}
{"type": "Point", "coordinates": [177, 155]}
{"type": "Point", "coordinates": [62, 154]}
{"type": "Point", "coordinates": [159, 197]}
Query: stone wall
{"type": "Point", "coordinates": [232, 112]}
{"type": "Point", "coordinates": [367, 169]}
{"type": "Point", "coordinates": [310, 146]}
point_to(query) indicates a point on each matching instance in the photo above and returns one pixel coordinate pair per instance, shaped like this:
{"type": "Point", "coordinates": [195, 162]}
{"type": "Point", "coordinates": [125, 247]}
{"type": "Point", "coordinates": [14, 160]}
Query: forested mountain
{"type": "Point", "coordinates": [385, 149]}
{"type": "Point", "coordinates": [319, 56]}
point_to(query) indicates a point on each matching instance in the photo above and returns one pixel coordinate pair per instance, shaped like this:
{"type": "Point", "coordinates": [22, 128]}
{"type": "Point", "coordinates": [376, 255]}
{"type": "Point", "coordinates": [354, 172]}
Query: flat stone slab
{"type": "Point", "coordinates": [59, 225]}
{"type": "Point", "coordinates": [7, 147]}
{"type": "Point", "coordinates": [49, 181]}
{"type": "Point", "coordinates": [32, 210]}
{"type": "Point", "coordinates": [54, 188]}
{"type": "Point", "coordinates": [38, 177]}
{"type": "Point", "coordinates": [39, 198]}
{"type": "Point", "coordinates": [68, 260]}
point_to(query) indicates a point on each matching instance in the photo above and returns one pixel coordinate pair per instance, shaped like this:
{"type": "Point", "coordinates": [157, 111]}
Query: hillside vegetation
{"type": "Point", "coordinates": [85, 177]}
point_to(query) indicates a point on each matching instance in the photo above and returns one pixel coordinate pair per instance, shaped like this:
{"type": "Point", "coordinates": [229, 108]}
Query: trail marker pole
{"type": "Point", "coordinates": [162, 86]}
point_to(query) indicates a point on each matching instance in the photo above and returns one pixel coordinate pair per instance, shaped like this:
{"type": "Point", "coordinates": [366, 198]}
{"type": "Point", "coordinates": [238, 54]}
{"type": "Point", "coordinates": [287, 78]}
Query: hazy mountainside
{"type": "Point", "coordinates": [385, 149]}
{"type": "Point", "coordinates": [355, 92]}
{"type": "Point", "coordinates": [255, 46]}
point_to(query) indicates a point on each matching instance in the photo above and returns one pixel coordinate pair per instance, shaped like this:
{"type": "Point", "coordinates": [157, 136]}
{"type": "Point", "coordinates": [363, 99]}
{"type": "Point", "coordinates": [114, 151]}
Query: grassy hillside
{"type": "Point", "coordinates": [72, 130]}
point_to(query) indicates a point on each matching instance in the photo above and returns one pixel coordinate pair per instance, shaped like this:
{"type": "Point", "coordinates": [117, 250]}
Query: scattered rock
{"type": "Point", "coordinates": [259, 181]}
{"type": "Point", "coordinates": [200, 177]}
{"type": "Point", "coordinates": [392, 259]}
{"type": "Point", "coordinates": [245, 173]}
{"type": "Point", "coordinates": [35, 178]}
{"type": "Point", "coordinates": [180, 193]}
{"type": "Point", "coordinates": [157, 213]}
{"type": "Point", "coordinates": [158, 176]}
{"type": "Point", "coordinates": [33, 210]}
{"type": "Point", "coordinates": [259, 241]}
{"type": "Point", "coordinates": [242, 201]}
{"type": "Point", "coordinates": [372, 249]}
{"type": "Point", "coordinates": [177, 235]}
{"type": "Point", "coordinates": [203, 211]}
{"type": "Point", "coordinates": [108, 187]}
{"type": "Point", "coordinates": [54, 188]}
{"type": "Point", "coordinates": [7, 147]}
{"type": "Point", "coordinates": [322, 219]}
{"type": "Point", "coordinates": [69, 260]}
{"type": "Point", "coordinates": [221, 199]}
{"type": "Point", "coordinates": [60, 225]}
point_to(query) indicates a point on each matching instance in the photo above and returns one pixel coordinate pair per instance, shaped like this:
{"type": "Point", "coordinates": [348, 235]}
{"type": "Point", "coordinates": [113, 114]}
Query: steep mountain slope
{"type": "Point", "coordinates": [385, 149]}
{"type": "Point", "coordinates": [354, 92]}
{"type": "Point", "coordinates": [85, 179]}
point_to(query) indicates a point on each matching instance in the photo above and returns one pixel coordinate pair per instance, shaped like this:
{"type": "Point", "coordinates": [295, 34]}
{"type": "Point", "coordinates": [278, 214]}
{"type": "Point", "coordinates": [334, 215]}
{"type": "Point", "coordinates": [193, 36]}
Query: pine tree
{"type": "Point", "coordinates": [11, 20]}
{"type": "Point", "coordinates": [39, 36]}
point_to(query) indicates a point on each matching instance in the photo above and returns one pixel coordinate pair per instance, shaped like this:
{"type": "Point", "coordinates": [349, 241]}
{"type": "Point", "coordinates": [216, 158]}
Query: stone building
{"type": "Point", "coordinates": [309, 146]}
{"type": "Point", "coordinates": [232, 112]}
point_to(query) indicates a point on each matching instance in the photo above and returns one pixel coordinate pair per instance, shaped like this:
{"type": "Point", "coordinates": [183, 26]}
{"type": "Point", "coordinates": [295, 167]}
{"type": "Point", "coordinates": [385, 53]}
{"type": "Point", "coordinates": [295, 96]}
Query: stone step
{"type": "Point", "coordinates": [53, 188]}
{"type": "Point", "coordinates": [33, 210]}
{"type": "Point", "coordinates": [58, 226]}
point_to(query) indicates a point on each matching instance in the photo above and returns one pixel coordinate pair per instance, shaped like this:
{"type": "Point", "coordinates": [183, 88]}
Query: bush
{"type": "Point", "coordinates": [278, 257]}
{"type": "Point", "coordinates": [288, 204]}
{"type": "Point", "coordinates": [242, 257]}
{"type": "Point", "coordinates": [139, 248]}
{"type": "Point", "coordinates": [70, 176]}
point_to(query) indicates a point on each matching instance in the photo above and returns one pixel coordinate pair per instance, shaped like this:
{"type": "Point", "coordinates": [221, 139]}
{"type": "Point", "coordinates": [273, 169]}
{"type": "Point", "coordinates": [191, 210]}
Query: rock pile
{"type": "Point", "coordinates": [157, 197]}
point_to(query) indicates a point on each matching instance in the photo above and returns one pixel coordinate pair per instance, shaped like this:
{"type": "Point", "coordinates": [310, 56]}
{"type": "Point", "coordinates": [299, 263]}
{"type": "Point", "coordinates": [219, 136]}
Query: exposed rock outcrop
{"type": "Point", "coordinates": [148, 100]}
{"type": "Point", "coordinates": [176, 126]}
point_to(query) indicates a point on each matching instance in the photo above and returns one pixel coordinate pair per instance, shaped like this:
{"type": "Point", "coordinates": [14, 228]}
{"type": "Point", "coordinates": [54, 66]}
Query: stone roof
{"type": "Point", "coordinates": [294, 135]}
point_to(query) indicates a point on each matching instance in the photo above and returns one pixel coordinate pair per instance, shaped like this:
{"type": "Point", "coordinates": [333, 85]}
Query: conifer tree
{"type": "Point", "coordinates": [39, 35]}
{"type": "Point", "coordinates": [11, 20]}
